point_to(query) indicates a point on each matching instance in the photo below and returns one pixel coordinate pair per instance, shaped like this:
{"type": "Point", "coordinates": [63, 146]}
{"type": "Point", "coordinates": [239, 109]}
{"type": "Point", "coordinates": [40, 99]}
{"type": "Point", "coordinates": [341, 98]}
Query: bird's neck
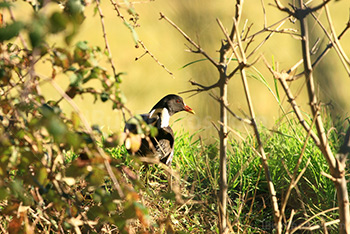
{"type": "Point", "coordinates": [162, 114]}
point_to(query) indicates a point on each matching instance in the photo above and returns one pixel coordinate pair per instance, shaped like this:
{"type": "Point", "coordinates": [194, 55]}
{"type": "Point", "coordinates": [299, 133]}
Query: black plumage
{"type": "Point", "coordinates": [162, 145]}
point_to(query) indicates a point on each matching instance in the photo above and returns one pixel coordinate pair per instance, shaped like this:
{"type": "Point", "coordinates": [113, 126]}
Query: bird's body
{"type": "Point", "coordinates": [160, 146]}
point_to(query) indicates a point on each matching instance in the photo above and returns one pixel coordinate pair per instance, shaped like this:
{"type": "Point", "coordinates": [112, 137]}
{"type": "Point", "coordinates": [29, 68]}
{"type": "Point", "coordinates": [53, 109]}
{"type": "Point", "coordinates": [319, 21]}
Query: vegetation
{"type": "Point", "coordinates": [249, 210]}
{"type": "Point", "coordinates": [59, 174]}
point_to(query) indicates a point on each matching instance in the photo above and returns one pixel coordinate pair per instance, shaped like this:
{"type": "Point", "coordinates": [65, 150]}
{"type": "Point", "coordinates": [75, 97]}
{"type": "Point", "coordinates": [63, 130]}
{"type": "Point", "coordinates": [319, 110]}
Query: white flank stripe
{"type": "Point", "coordinates": [165, 117]}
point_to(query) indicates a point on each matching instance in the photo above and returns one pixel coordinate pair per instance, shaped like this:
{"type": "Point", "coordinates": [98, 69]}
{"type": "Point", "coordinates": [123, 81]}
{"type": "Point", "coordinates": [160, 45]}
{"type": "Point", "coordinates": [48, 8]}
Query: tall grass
{"type": "Point", "coordinates": [249, 204]}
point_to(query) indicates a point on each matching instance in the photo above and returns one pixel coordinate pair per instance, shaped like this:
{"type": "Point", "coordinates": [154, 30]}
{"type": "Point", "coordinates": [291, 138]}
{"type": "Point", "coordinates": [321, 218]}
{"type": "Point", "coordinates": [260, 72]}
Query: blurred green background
{"type": "Point", "coordinates": [145, 81]}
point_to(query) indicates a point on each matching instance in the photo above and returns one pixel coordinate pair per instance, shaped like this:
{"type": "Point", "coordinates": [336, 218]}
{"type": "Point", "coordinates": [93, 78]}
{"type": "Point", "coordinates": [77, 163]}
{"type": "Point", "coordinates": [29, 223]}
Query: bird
{"type": "Point", "coordinates": [161, 145]}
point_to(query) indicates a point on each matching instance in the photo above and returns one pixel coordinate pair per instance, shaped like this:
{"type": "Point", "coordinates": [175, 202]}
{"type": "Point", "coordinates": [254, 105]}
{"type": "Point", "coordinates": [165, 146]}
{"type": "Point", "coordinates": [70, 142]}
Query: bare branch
{"type": "Point", "coordinates": [242, 60]}
{"type": "Point", "coordinates": [324, 52]}
{"type": "Point", "coordinates": [283, 8]}
{"type": "Point", "coordinates": [199, 49]}
{"type": "Point", "coordinates": [264, 12]}
{"type": "Point", "coordinates": [290, 221]}
{"type": "Point", "coordinates": [283, 77]}
{"type": "Point", "coordinates": [154, 58]}
{"type": "Point", "coordinates": [201, 88]}
{"type": "Point", "coordinates": [324, 226]}
{"type": "Point", "coordinates": [24, 43]}
{"type": "Point", "coordinates": [107, 47]}
{"type": "Point", "coordinates": [330, 45]}
{"type": "Point", "coordinates": [247, 121]}
{"type": "Point", "coordinates": [345, 148]}
{"type": "Point", "coordinates": [345, 60]}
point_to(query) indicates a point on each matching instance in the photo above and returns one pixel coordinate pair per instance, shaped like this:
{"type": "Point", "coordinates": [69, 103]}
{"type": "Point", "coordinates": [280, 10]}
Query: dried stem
{"type": "Point", "coordinates": [242, 60]}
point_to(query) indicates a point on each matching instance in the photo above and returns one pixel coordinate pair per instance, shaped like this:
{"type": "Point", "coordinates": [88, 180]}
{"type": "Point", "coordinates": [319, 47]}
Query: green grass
{"type": "Point", "coordinates": [249, 204]}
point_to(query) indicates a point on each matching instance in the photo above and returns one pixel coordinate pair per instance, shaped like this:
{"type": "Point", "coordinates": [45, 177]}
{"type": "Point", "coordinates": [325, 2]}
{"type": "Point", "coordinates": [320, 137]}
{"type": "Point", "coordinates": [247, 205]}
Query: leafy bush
{"type": "Point", "coordinates": [42, 190]}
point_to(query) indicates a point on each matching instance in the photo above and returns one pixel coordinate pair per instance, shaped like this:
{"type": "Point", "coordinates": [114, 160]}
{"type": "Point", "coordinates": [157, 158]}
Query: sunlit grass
{"type": "Point", "coordinates": [249, 204]}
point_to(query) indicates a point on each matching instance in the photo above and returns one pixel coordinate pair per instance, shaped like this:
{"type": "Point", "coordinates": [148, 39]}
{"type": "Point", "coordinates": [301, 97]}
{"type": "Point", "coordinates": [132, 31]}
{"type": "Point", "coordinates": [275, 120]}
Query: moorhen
{"type": "Point", "coordinates": [163, 143]}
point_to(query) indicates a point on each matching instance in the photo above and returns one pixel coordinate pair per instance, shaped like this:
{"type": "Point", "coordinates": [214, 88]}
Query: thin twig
{"type": "Point", "coordinates": [201, 88]}
{"type": "Point", "coordinates": [342, 55]}
{"type": "Point", "coordinates": [154, 58]}
{"type": "Point", "coordinates": [290, 221]}
{"type": "Point", "coordinates": [107, 47]}
{"type": "Point", "coordinates": [283, 77]}
{"type": "Point", "coordinates": [247, 121]}
{"type": "Point", "coordinates": [312, 217]}
{"type": "Point", "coordinates": [199, 49]}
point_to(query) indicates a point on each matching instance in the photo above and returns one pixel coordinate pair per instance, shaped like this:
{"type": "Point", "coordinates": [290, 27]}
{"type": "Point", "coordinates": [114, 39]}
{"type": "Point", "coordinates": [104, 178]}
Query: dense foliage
{"type": "Point", "coordinates": [40, 190]}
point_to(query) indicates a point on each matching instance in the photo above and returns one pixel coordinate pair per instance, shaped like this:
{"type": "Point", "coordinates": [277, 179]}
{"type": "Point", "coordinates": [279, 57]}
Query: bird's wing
{"type": "Point", "coordinates": [133, 124]}
{"type": "Point", "coordinates": [164, 144]}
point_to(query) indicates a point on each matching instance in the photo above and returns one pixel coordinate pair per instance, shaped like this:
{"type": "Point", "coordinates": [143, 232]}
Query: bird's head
{"type": "Point", "coordinates": [167, 106]}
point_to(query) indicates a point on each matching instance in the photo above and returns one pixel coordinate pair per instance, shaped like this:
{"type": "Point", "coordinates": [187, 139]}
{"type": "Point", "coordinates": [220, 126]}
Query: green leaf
{"type": "Point", "coordinates": [10, 31]}
{"type": "Point", "coordinates": [57, 128]}
{"type": "Point", "coordinates": [153, 131]}
{"type": "Point", "coordinates": [118, 77]}
{"type": "Point", "coordinates": [75, 79]}
{"type": "Point", "coordinates": [42, 176]}
{"type": "Point", "coordinates": [133, 32]}
{"type": "Point", "coordinates": [104, 96]}
{"type": "Point", "coordinates": [75, 120]}
{"type": "Point", "coordinates": [3, 193]}
{"type": "Point", "coordinates": [36, 36]}
{"type": "Point", "coordinates": [169, 196]}
{"type": "Point", "coordinates": [73, 140]}
{"type": "Point", "coordinates": [97, 177]}
{"type": "Point", "coordinates": [5, 4]}
{"type": "Point", "coordinates": [193, 62]}
{"type": "Point", "coordinates": [82, 45]}
{"type": "Point", "coordinates": [276, 88]}
{"type": "Point", "coordinates": [58, 22]}
{"type": "Point", "coordinates": [74, 7]}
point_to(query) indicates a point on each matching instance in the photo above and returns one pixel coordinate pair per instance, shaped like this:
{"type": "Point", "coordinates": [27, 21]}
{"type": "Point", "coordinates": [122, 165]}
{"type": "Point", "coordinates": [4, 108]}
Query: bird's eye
{"type": "Point", "coordinates": [177, 100]}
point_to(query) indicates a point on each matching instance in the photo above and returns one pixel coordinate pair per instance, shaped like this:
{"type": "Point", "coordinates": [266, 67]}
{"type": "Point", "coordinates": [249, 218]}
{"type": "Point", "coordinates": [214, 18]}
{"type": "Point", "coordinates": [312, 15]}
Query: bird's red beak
{"type": "Point", "coordinates": [189, 109]}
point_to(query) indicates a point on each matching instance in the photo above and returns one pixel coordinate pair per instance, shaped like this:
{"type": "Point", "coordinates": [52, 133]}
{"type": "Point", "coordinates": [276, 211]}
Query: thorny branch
{"type": "Point", "coordinates": [336, 164]}
{"type": "Point", "coordinates": [343, 58]}
{"type": "Point", "coordinates": [299, 12]}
